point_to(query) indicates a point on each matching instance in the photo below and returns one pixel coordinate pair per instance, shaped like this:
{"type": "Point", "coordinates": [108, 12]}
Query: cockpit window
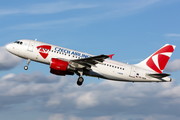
{"type": "Point", "coordinates": [18, 42]}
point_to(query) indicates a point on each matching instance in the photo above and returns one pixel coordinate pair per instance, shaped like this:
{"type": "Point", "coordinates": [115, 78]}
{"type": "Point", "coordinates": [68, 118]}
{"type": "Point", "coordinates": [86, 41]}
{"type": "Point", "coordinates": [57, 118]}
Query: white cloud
{"type": "Point", "coordinates": [173, 65]}
{"type": "Point", "coordinates": [11, 75]}
{"type": "Point", "coordinates": [56, 7]}
{"type": "Point", "coordinates": [101, 11]}
{"type": "Point", "coordinates": [160, 117]}
{"type": "Point", "coordinates": [53, 101]}
{"type": "Point", "coordinates": [57, 117]}
{"type": "Point", "coordinates": [7, 60]}
{"type": "Point", "coordinates": [63, 117]}
{"type": "Point", "coordinates": [50, 24]}
{"type": "Point", "coordinates": [106, 100]}
{"type": "Point", "coordinates": [46, 8]}
{"type": "Point", "coordinates": [131, 7]}
{"type": "Point", "coordinates": [103, 118]}
{"type": "Point", "coordinates": [172, 35]}
{"type": "Point", "coordinates": [86, 100]}
{"type": "Point", "coordinates": [74, 118]}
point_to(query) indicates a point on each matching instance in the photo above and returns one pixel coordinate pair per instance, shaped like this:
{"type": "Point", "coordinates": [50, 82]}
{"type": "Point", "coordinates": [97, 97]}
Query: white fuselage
{"type": "Point", "coordinates": [109, 69]}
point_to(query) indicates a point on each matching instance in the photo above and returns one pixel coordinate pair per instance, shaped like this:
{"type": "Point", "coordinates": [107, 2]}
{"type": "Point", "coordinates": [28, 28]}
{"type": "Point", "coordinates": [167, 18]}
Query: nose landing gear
{"type": "Point", "coordinates": [26, 67]}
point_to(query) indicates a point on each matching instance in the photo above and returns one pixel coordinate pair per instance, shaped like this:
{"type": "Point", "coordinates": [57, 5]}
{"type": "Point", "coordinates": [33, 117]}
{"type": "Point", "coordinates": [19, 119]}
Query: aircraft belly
{"type": "Point", "coordinates": [93, 73]}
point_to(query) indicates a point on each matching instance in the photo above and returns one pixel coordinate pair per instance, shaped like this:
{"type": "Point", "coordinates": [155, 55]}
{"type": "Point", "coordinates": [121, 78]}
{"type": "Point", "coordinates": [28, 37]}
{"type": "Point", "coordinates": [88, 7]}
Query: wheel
{"type": "Point", "coordinates": [25, 67]}
{"type": "Point", "coordinates": [80, 81]}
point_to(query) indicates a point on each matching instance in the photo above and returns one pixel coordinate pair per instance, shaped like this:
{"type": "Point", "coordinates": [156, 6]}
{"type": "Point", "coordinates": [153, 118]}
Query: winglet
{"type": "Point", "coordinates": [110, 56]}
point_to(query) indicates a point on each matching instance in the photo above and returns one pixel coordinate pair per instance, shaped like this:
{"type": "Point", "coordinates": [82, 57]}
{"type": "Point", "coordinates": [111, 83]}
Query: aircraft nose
{"type": "Point", "coordinates": [8, 47]}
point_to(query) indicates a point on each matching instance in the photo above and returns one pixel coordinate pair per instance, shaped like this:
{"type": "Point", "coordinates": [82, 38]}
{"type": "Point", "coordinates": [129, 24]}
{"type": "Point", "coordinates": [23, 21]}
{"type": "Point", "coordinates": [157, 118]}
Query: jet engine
{"type": "Point", "coordinates": [60, 67]}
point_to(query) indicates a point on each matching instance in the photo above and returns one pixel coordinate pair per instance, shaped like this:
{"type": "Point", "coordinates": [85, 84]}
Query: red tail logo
{"type": "Point", "coordinates": [44, 50]}
{"type": "Point", "coordinates": [159, 59]}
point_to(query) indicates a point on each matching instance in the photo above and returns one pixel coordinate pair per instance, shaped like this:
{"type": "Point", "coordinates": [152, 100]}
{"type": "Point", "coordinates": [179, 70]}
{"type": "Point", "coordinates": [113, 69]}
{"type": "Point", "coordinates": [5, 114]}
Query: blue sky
{"type": "Point", "coordinates": [132, 30]}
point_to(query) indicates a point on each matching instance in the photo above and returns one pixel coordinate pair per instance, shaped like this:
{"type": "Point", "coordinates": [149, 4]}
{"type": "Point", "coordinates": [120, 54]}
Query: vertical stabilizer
{"type": "Point", "coordinates": [158, 60]}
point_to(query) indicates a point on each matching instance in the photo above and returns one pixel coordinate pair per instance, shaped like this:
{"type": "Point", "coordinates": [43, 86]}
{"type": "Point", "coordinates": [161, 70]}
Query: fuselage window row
{"type": "Point", "coordinates": [113, 66]}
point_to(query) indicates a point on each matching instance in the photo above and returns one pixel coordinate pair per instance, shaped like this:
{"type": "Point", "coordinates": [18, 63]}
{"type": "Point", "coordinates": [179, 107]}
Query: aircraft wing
{"type": "Point", "coordinates": [90, 61]}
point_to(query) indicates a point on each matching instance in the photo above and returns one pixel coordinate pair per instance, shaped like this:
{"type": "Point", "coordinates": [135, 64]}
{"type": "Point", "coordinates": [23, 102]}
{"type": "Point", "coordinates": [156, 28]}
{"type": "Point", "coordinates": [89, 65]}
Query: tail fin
{"type": "Point", "coordinates": [158, 60]}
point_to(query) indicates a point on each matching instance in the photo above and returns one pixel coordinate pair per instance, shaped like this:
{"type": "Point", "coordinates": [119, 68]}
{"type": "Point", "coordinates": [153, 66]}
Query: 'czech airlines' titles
{"type": "Point", "coordinates": [72, 52]}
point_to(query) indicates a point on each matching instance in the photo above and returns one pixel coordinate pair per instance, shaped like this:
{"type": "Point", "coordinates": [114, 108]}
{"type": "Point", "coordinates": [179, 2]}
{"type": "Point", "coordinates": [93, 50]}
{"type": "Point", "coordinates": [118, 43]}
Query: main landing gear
{"type": "Point", "coordinates": [80, 79]}
{"type": "Point", "coordinates": [26, 67]}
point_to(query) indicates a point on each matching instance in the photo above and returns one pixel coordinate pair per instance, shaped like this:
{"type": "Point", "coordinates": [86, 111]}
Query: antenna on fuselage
{"type": "Point", "coordinates": [36, 39]}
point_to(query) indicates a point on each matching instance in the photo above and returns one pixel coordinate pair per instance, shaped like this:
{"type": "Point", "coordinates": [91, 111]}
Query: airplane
{"type": "Point", "coordinates": [63, 61]}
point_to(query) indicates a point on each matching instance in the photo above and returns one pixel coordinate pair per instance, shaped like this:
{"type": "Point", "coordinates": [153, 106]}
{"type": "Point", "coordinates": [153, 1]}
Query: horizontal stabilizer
{"type": "Point", "coordinates": [159, 75]}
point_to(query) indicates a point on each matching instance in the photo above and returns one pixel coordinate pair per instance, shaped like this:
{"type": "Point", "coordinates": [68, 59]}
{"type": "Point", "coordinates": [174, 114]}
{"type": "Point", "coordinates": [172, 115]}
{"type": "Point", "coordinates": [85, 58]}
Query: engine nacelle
{"type": "Point", "coordinates": [59, 67]}
{"type": "Point", "coordinates": [57, 64]}
{"type": "Point", "coordinates": [56, 72]}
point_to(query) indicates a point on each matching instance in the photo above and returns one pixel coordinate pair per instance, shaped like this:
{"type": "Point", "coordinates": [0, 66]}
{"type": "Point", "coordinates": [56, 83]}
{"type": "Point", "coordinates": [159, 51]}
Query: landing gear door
{"type": "Point", "coordinates": [31, 46]}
